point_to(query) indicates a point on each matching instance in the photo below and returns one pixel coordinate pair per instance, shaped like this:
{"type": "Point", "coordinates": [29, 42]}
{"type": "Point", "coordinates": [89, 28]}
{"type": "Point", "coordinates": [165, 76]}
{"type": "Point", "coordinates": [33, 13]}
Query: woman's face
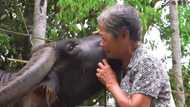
{"type": "Point", "coordinates": [110, 44]}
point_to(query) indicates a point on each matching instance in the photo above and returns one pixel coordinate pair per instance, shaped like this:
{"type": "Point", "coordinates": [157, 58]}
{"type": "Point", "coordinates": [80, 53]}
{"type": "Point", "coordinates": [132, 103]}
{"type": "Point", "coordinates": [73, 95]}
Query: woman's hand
{"type": "Point", "coordinates": [106, 75]}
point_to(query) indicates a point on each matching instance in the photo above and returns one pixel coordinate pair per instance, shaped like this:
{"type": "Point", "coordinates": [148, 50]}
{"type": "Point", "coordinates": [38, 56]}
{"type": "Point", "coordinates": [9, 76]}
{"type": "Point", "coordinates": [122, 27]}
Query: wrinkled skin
{"type": "Point", "coordinates": [72, 78]}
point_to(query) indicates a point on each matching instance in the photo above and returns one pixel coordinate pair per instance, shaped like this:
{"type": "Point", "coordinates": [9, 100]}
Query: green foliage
{"type": "Point", "coordinates": [82, 13]}
{"type": "Point", "coordinates": [85, 12]}
{"type": "Point", "coordinates": [186, 79]}
{"type": "Point", "coordinates": [4, 45]}
{"type": "Point", "coordinates": [12, 14]}
{"type": "Point", "coordinates": [184, 25]}
{"type": "Point", "coordinates": [148, 14]}
{"type": "Point", "coordinates": [186, 82]}
{"type": "Point", "coordinates": [6, 51]}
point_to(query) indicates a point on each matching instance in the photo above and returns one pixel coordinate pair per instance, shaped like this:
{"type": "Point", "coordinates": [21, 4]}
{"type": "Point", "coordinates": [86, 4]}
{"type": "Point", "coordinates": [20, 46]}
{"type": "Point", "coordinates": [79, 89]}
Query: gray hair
{"type": "Point", "coordinates": [121, 18]}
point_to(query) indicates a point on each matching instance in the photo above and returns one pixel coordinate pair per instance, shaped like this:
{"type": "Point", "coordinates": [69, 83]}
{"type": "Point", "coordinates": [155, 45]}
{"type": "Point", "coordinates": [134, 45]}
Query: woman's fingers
{"type": "Point", "coordinates": [105, 62]}
{"type": "Point", "coordinates": [100, 64]}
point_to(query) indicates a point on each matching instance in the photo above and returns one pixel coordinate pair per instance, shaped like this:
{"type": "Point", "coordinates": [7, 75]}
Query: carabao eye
{"type": "Point", "coordinates": [71, 46]}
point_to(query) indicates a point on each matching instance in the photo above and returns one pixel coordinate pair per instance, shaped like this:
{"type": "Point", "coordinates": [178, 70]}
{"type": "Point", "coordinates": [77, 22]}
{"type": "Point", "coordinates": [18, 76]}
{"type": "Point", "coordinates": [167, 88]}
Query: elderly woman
{"type": "Point", "coordinates": [145, 83]}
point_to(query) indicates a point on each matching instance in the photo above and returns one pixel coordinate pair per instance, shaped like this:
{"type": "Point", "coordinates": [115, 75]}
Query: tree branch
{"type": "Point", "coordinates": [23, 34]}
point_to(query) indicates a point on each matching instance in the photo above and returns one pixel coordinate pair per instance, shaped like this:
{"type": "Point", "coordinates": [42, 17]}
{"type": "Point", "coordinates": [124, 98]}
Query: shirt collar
{"type": "Point", "coordinates": [136, 55]}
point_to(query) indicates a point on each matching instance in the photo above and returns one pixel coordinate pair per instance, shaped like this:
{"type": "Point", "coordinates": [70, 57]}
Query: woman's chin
{"type": "Point", "coordinates": [109, 55]}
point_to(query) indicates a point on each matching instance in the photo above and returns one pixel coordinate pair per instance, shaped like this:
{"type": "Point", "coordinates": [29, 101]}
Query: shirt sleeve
{"type": "Point", "coordinates": [148, 79]}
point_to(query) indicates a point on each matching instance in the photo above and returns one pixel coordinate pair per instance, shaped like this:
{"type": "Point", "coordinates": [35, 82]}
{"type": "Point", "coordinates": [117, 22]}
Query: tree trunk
{"type": "Point", "coordinates": [38, 37]}
{"type": "Point", "coordinates": [39, 30]}
{"type": "Point", "coordinates": [176, 54]}
{"type": "Point", "coordinates": [26, 52]}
